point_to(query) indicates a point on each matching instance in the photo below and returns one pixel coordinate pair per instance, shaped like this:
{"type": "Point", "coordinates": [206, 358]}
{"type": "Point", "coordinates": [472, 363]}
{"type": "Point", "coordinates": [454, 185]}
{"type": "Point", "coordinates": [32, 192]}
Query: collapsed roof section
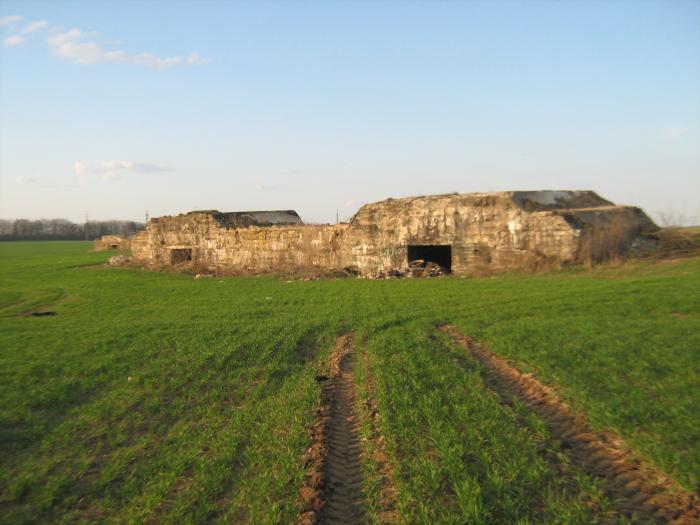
{"type": "Point", "coordinates": [244, 219]}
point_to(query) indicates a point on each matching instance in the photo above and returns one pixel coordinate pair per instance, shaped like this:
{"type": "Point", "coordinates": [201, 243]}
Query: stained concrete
{"type": "Point", "coordinates": [485, 232]}
{"type": "Point", "coordinates": [111, 242]}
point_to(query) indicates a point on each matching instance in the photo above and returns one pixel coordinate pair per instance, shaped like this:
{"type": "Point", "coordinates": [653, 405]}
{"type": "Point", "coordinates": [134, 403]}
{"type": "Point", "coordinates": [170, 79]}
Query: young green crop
{"type": "Point", "coordinates": [155, 397]}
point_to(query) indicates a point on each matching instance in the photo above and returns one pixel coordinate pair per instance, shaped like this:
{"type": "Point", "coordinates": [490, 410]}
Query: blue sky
{"type": "Point", "coordinates": [113, 108]}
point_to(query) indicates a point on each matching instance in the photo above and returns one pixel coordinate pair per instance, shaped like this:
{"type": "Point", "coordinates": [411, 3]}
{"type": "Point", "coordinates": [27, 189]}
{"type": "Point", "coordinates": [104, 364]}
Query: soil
{"type": "Point", "coordinates": [639, 491]}
{"type": "Point", "coordinates": [332, 492]}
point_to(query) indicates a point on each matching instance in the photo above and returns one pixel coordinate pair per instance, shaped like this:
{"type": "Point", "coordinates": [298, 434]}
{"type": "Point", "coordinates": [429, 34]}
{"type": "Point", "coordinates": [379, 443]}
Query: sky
{"type": "Point", "coordinates": [114, 108]}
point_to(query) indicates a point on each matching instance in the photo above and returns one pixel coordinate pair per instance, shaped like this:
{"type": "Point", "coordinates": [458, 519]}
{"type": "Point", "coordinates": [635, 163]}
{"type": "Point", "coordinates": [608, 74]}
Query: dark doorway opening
{"type": "Point", "coordinates": [114, 246]}
{"type": "Point", "coordinates": [180, 255]}
{"type": "Point", "coordinates": [440, 254]}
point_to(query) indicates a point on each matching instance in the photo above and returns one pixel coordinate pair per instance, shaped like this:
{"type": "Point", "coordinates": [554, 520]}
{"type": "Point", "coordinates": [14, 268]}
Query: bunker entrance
{"type": "Point", "coordinates": [180, 255]}
{"type": "Point", "coordinates": [440, 254]}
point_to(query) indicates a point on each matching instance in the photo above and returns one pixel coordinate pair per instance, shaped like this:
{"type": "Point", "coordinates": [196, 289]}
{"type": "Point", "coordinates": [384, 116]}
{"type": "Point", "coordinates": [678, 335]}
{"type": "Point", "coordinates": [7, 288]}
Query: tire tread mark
{"type": "Point", "coordinates": [639, 490]}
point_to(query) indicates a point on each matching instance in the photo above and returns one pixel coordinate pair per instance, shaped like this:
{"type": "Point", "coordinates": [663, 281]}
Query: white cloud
{"type": "Point", "coordinates": [114, 169]}
{"type": "Point", "coordinates": [60, 37]}
{"type": "Point", "coordinates": [26, 181]}
{"type": "Point", "coordinates": [9, 19]}
{"type": "Point", "coordinates": [353, 203]}
{"type": "Point", "coordinates": [79, 47]}
{"type": "Point", "coordinates": [33, 27]}
{"type": "Point", "coordinates": [71, 46]}
{"type": "Point", "coordinates": [194, 59]}
{"type": "Point", "coordinates": [673, 133]}
{"type": "Point", "coordinates": [13, 41]}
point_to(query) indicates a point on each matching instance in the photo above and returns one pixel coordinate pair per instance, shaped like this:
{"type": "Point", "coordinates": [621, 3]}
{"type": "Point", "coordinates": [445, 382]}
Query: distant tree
{"type": "Point", "coordinates": [673, 219]}
{"type": "Point", "coordinates": [62, 229]}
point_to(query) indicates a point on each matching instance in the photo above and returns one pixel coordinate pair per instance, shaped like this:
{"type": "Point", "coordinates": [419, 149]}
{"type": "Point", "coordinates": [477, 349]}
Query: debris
{"type": "Point", "coordinates": [416, 268]}
{"type": "Point", "coordinates": [351, 271]}
{"type": "Point", "coordinates": [384, 273]}
{"type": "Point", "coordinates": [118, 260]}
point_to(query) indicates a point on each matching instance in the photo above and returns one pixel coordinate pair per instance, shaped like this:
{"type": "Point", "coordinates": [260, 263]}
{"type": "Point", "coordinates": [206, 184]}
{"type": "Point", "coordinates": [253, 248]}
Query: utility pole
{"type": "Point", "coordinates": [146, 217]}
{"type": "Point", "coordinates": [85, 228]}
{"type": "Point", "coordinates": [336, 216]}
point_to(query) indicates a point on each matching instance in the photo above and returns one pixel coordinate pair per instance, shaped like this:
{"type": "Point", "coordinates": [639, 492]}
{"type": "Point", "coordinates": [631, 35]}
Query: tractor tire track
{"type": "Point", "coordinates": [638, 490]}
{"type": "Point", "coordinates": [332, 492]}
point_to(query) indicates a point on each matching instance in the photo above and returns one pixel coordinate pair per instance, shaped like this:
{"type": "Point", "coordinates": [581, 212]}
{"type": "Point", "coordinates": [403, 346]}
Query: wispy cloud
{"type": "Point", "coordinates": [33, 27]}
{"type": "Point", "coordinates": [80, 47]}
{"type": "Point", "coordinates": [26, 181]}
{"type": "Point", "coordinates": [114, 169]}
{"type": "Point", "coordinates": [264, 187]}
{"type": "Point", "coordinates": [353, 203]}
{"type": "Point", "coordinates": [73, 47]}
{"type": "Point", "coordinates": [673, 133]}
{"type": "Point", "coordinates": [13, 41]}
{"type": "Point", "coordinates": [9, 19]}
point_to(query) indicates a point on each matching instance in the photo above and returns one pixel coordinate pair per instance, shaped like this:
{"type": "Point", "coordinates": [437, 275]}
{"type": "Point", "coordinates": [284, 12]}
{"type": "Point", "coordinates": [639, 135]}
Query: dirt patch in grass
{"type": "Point", "coordinates": [638, 490]}
{"type": "Point", "coordinates": [332, 491]}
{"type": "Point", "coordinates": [42, 313]}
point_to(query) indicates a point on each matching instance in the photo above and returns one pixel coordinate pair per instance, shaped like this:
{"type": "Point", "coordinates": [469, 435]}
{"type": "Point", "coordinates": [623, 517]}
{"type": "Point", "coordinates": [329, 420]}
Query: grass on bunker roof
{"type": "Point", "coordinates": [157, 397]}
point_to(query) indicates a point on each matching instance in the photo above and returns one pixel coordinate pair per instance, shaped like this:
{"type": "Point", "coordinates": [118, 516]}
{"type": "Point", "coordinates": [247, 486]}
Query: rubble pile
{"type": "Point", "coordinates": [416, 268]}
{"type": "Point", "coordinates": [118, 260]}
{"type": "Point", "coordinates": [422, 268]}
{"type": "Point", "coordinates": [384, 273]}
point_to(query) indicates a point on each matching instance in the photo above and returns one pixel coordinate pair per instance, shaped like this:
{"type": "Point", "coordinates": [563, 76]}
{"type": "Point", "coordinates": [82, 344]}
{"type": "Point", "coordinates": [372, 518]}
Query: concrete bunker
{"type": "Point", "coordinates": [111, 242]}
{"type": "Point", "coordinates": [461, 233]}
{"type": "Point", "coordinates": [440, 254]}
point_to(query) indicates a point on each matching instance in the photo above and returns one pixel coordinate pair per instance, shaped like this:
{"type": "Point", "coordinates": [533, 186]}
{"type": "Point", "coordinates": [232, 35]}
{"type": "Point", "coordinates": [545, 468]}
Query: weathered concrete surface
{"type": "Point", "coordinates": [252, 249]}
{"type": "Point", "coordinates": [495, 231]}
{"type": "Point", "coordinates": [485, 232]}
{"type": "Point", "coordinates": [111, 242]}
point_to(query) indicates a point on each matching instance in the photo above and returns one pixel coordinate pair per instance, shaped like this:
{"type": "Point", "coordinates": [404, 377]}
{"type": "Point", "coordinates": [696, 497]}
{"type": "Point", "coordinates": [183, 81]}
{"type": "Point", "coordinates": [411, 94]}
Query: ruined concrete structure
{"type": "Point", "coordinates": [111, 242]}
{"type": "Point", "coordinates": [463, 233]}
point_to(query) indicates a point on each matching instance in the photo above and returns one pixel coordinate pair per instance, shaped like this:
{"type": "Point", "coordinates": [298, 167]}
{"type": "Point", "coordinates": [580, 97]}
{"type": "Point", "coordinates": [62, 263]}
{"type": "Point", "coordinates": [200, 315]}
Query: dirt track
{"type": "Point", "coordinates": [332, 493]}
{"type": "Point", "coordinates": [638, 490]}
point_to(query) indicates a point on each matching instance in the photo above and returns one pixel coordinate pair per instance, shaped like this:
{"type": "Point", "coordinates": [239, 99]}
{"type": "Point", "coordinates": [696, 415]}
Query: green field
{"type": "Point", "coordinates": [154, 397]}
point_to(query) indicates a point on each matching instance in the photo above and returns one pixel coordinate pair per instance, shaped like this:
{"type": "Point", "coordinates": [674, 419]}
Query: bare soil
{"type": "Point", "coordinates": [639, 491]}
{"type": "Point", "coordinates": [332, 492]}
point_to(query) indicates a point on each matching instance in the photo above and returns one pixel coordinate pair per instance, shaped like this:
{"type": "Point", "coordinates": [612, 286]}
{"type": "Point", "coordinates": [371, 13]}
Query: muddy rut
{"type": "Point", "coordinates": [636, 489]}
{"type": "Point", "coordinates": [332, 493]}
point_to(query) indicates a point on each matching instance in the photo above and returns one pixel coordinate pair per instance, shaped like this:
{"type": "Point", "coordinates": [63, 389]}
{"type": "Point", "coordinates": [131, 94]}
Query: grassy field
{"type": "Point", "coordinates": [155, 398]}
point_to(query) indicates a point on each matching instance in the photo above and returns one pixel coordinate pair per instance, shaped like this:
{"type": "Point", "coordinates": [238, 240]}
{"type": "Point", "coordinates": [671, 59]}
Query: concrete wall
{"type": "Point", "coordinates": [111, 242]}
{"type": "Point", "coordinates": [486, 231]}
{"type": "Point", "coordinates": [253, 249]}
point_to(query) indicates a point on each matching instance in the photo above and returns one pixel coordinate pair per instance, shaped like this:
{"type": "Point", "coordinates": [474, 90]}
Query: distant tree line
{"type": "Point", "coordinates": [63, 229]}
